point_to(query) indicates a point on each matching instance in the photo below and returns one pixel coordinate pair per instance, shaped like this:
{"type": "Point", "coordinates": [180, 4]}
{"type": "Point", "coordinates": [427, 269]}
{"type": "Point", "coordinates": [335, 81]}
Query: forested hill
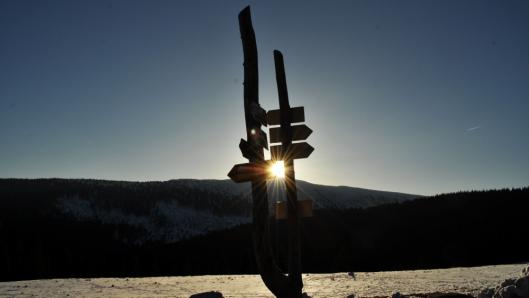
{"type": "Point", "coordinates": [166, 211]}
{"type": "Point", "coordinates": [95, 239]}
{"type": "Point", "coordinates": [449, 230]}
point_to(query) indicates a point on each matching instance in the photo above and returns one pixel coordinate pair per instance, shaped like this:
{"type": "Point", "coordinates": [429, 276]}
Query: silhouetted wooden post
{"type": "Point", "coordinates": [256, 170]}
{"type": "Point", "coordinates": [294, 255]}
{"type": "Point", "coordinates": [287, 152]}
{"type": "Point", "coordinates": [271, 275]}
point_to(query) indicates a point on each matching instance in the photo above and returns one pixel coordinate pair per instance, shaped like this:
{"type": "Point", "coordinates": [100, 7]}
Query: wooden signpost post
{"type": "Point", "coordinates": [257, 170]}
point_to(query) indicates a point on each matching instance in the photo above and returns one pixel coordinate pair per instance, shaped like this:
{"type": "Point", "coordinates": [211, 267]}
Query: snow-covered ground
{"type": "Point", "coordinates": [375, 284]}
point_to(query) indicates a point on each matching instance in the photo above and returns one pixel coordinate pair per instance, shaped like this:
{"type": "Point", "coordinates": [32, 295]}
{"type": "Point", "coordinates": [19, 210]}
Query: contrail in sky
{"type": "Point", "coordinates": [473, 128]}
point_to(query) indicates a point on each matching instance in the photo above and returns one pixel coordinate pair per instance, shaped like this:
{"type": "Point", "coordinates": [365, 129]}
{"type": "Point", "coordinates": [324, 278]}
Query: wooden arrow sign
{"type": "Point", "coordinates": [304, 209]}
{"type": "Point", "coordinates": [248, 151]}
{"type": "Point", "coordinates": [299, 133]}
{"type": "Point", "coordinates": [294, 151]}
{"type": "Point", "coordinates": [297, 114]}
{"type": "Point", "coordinates": [245, 172]}
{"type": "Point", "coordinates": [258, 113]}
{"type": "Point", "coordinates": [259, 137]}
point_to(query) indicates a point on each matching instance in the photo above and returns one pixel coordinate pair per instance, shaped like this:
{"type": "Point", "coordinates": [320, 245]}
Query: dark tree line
{"type": "Point", "coordinates": [457, 229]}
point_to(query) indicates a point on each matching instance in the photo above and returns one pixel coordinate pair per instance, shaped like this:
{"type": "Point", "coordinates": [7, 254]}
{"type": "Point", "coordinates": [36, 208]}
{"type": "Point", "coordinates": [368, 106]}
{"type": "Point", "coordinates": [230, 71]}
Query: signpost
{"type": "Point", "coordinates": [294, 151]}
{"type": "Point", "coordinates": [299, 132]}
{"type": "Point", "coordinates": [296, 114]}
{"type": "Point", "coordinates": [246, 172]}
{"type": "Point", "coordinates": [257, 170]}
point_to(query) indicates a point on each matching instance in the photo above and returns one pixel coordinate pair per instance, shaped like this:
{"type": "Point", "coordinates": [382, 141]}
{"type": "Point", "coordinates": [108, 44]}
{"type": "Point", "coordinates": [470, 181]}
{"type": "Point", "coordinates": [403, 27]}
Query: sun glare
{"type": "Point", "coordinates": [278, 169]}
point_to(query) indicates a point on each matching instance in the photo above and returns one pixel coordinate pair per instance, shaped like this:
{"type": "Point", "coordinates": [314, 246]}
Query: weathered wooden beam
{"type": "Point", "coordinates": [294, 249]}
{"type": "Point", "coordinates": [272, 276]}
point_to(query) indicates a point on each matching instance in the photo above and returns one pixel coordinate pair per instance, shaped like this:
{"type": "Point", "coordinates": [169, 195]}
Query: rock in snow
{"type": "Point", "coordinates": [510, 288]}
{"type": "Point", "coordinates": [211, 294]}
{"type": "Point", "coordinates": [525, 271]}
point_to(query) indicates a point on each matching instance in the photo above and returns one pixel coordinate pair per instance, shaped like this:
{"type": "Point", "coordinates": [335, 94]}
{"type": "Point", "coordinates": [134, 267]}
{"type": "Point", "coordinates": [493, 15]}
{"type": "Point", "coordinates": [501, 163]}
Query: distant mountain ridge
{"type": "Point", "coordinates": [324, 196]}
{"type": "Point", "coordinates": [166, 211]}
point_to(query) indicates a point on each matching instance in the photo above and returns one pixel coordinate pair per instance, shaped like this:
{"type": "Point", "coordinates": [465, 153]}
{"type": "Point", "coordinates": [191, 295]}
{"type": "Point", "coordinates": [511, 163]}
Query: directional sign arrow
{"type": "Point", "coordinates": [258, 113]}
{"type": "Point", "coordinates": [249, 151]}
{"type": "Point", "coordinates": [297, 114]}
{"type": "Point", "coordinates": [245, 172]}
{"type": "Point", "coordinates": [304, 209]}
{"type": "Point", "coordinates": [259, 137]}
{"type": "Point", "coordinates": [294, 151]}
{"type": "Point", "coordinates": [299, 133]}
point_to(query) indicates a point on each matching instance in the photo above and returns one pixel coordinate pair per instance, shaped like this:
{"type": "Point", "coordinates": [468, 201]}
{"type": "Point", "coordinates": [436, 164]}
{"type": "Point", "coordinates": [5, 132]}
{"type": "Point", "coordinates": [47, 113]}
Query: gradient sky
{"type": "Point", "coordinates": [412, 96]}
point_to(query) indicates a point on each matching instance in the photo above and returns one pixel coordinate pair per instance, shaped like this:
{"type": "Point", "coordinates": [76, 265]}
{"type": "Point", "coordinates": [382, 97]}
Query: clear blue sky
{"type": "Point", "coordinates": [413, 96]}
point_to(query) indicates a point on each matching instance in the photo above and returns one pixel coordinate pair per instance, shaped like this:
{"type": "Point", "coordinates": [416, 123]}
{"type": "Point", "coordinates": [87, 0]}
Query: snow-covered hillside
{"type": "Point", "coordinates": [196, 207]}
{"type": "Point", "coordinates": [165, 211]}
{"type": "Point", "coordinates": [324, 196]}
{"type": "Point", "coordinates": [344, 197]}
{"type": "Point", "coordinates": [417, 283]}
{"type": "Point", "coordinates": [167, 221]}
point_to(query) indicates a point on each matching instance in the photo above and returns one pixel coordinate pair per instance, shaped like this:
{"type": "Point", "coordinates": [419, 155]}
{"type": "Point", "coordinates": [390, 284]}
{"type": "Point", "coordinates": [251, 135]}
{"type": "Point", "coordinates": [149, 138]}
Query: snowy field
{"type": "Point", "coordinates": [376, 284]}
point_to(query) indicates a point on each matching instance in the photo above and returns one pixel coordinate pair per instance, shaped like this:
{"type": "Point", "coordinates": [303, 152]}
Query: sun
{"type": "Point", "coordinates": [278, 169]}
